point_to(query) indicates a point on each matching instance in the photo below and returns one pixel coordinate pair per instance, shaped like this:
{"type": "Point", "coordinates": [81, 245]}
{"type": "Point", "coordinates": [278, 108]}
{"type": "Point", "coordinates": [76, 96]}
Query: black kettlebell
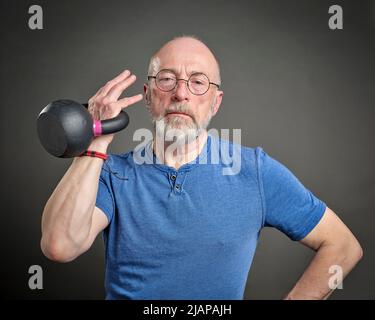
{"type": "Point", "coordinates": [66, 128]}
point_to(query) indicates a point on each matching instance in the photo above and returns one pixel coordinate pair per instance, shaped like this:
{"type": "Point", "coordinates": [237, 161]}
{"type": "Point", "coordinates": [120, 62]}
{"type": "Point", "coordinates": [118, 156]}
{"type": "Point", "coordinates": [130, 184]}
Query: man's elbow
{"type": "Point", "coordinates": [353, 250]}
{"type": "Point", "coordinates": [357, 250]}
{"type": "Point", "coordinates": [56, 251]}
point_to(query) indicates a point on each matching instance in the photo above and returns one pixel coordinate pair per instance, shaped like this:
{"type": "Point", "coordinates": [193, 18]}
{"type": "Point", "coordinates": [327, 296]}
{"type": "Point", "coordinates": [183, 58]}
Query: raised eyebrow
{"type": "Point", "coordinates": [196, 72]}
{"type": "Point", "coordinates": [175, 71]}
{"type": "Point", "coordinates": [169, 69]}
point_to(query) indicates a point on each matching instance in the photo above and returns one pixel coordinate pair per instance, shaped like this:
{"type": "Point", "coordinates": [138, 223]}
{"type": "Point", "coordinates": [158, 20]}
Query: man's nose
{"type": "Point", "coordinates": [181, 92]}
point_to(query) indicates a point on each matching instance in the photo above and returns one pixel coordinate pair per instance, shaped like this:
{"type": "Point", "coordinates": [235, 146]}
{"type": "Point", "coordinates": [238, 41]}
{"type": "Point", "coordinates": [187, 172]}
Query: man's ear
{"type": "Point", "coordinates": [218, 100]}
{"type": "Point", "coordinates": [147, 93]}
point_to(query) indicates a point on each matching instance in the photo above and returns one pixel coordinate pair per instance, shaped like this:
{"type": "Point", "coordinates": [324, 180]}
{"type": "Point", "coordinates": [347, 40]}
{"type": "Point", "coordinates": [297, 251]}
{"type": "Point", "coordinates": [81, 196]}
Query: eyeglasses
{"type": "Point", "coordinates": [198, 83]}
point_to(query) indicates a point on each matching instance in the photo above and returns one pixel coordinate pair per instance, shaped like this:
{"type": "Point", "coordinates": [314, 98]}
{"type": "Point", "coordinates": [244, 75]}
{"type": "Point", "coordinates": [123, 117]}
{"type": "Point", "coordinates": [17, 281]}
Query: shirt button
{"type": "Point", "coordinates": [177, 187]}
{"type": "Point", "coordinates": [173, 177]}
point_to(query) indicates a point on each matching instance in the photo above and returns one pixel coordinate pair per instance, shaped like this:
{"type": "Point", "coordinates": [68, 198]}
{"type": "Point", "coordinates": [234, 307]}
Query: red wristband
{"type": "Point", "coordinates": [95, 154]}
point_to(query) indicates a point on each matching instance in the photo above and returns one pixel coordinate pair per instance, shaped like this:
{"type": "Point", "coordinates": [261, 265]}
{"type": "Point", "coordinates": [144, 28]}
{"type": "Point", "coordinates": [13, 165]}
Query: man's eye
{"type": "Point", "coordinates": [166, 79]}
{"type": "Point", "coordinates": [198, 82]}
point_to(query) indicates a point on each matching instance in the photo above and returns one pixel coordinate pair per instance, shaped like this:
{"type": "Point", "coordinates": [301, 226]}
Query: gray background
{"type": "Point", "coordinates": [301, 91]}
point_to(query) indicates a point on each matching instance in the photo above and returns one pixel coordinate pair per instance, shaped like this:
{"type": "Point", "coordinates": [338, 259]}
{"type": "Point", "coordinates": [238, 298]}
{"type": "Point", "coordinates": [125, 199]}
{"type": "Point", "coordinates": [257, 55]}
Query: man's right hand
{"type": "Point", "coordinates": [105, 104]}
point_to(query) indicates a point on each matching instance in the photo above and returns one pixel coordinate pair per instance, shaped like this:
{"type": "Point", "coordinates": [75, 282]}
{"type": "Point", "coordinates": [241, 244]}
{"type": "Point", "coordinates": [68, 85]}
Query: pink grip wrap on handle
{"type": "Point", "coordinates": [97, 128]}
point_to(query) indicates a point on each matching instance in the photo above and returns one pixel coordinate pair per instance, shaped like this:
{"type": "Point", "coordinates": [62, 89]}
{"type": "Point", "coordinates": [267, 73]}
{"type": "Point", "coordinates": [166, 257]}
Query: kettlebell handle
{"type": "Point", "coordinates": [101, 127]}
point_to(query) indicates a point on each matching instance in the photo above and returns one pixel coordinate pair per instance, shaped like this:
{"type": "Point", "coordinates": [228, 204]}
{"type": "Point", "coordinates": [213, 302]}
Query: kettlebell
{"type": "Point", "coordinates": [66, 128]}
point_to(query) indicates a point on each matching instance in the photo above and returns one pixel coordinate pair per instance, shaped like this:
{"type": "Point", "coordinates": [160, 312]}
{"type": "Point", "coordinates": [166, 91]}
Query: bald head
{"type": "Point", "coordinates": [186, 51]}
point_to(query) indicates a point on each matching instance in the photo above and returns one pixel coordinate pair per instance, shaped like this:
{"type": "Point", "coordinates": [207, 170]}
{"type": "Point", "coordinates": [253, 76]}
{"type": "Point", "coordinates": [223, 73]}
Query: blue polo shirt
{"type": "Point", "coordinates": [191, 233]}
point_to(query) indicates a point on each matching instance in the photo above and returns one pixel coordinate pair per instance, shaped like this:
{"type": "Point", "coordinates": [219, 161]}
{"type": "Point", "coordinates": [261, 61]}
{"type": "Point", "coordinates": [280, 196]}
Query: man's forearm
{"type": "Point", "coordinates": [67, 215]}
{"type": "Point", "coordinates": [315, 281]}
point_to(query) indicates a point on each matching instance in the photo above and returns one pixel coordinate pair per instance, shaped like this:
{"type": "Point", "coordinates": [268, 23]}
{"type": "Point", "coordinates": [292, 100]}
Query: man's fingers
{"type": "Point", "coordinates": [104, 103]}
{"type": "Point", "coordinates": [126, 102]}
{"type": "Point", "coordinates": [114, 93]}
{"type": "Point", "coordinates": [108, 86]}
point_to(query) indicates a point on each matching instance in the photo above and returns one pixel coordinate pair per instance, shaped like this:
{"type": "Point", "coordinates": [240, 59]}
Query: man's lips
{"type": "Point", "coordinates": [179, 113]}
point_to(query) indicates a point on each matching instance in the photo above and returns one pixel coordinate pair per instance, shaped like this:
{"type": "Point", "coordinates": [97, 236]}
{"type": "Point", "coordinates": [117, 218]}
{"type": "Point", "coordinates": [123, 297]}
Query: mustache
{"type": "Point", "coordinates": [183, 108]}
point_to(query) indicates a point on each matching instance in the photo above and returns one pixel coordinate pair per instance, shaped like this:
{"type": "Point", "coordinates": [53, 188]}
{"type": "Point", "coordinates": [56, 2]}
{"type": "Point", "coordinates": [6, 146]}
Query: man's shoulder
{"type": "Point", "coordinates": [116, 158]}
{"type": "Point", "coordinates": [118, 164]}
{"type": "Point", "coordinates": [234, 146]}
{"type": "Point", "coordinates": [235, 157]}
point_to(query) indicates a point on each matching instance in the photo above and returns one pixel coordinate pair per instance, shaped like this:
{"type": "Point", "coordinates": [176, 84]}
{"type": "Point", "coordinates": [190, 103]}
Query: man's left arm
{"type": "Point", "coordinates": [334, 244]}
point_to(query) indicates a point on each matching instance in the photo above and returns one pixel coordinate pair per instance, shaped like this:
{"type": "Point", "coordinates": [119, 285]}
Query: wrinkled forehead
{"type": "Point", "coordinates": [185, 61]}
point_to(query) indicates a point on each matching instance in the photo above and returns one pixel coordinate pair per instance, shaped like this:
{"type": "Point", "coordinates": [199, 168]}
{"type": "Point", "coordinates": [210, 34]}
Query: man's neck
{"type": "Point", "coordinates": [168, 153]}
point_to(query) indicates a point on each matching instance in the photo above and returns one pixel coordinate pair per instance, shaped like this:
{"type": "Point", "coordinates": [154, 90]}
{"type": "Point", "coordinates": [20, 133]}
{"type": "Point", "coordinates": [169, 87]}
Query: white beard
{"type": "Point", "coordinates": [179, 129]}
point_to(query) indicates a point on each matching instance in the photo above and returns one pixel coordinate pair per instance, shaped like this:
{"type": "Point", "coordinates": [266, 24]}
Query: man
{"type": "Point", "coordinates": [175, 228]}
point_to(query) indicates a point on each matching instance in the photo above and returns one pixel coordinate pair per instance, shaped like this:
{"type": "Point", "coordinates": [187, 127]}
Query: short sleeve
{"type": "Point", "coordinates": [104, 198]}
{"type": "Point", "coordinates": [288, 205]}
